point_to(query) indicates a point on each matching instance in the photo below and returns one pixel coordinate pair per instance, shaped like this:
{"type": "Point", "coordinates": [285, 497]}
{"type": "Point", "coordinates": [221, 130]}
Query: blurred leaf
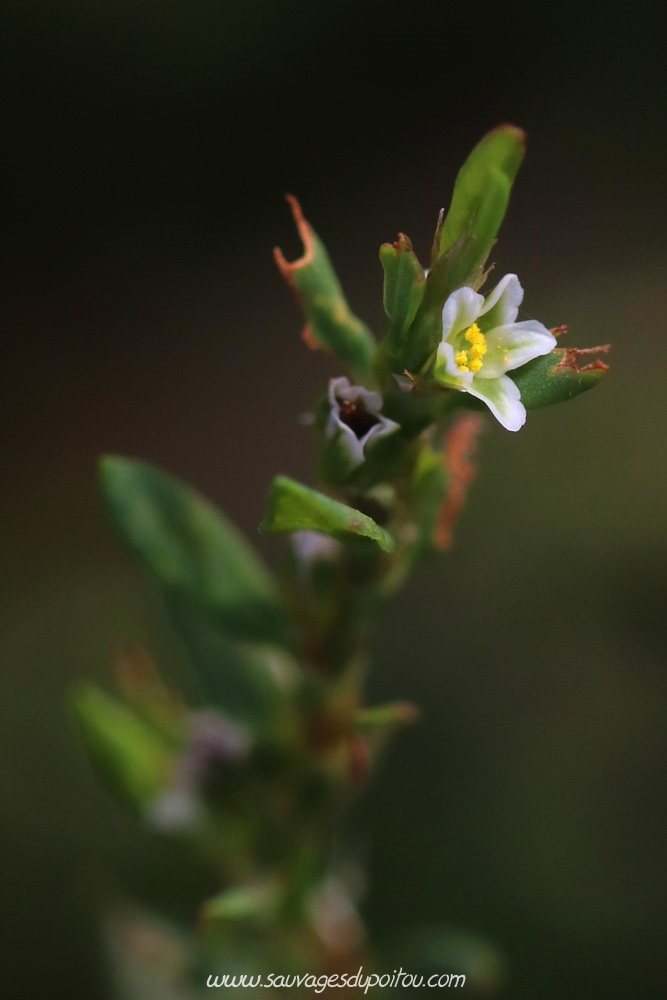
{"type": "Point", "coordinates": [250, 683]}
{"type": "Point", "coordinates": [195, 555]}
{"type": "Point", "coordinates": [396, 713]}
{"type": "Point", "coordinates": [242, 903]}
{"type": "Point", "coordinates": [130, 757]}
{"type": "Point", "coordinates": [331, 324]}
{"type": "Point", "coordinates": [557, 377]}
{"type": "Point", "coordinates": [427, 493]}
{"type": "Point", "coordinates": [293, 507]}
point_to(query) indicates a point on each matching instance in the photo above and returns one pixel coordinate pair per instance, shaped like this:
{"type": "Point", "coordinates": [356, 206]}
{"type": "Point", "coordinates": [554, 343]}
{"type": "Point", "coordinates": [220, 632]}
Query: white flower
{"type": "Point", "coordinates": [481, 342]}
{"type": "Point", "coordinates": [357, 414]}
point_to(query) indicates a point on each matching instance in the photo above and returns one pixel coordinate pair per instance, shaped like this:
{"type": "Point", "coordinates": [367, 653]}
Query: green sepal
{"type": "Point", "coordinates": [193, 553]}
{"type": "Point", "coordinates": [330, 322]}
{"type": "Point", "coordinates": [294, 507]}
{"type": "Point", "coordinates": [404, 284]}
{"type": "Point", "coordinates": [556, 377]}
{"type": "Point", "coordinates": [131, 757]}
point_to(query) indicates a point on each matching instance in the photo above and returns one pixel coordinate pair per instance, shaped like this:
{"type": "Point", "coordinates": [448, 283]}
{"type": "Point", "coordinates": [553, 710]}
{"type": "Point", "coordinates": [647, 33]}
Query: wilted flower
{"type": "Point", "coordinates": [357, 414]}
{"type": "Point", "coordinates": [481, 342]}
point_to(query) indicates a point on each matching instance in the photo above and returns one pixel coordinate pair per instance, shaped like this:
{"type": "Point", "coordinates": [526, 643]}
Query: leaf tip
{"type": "Point", "coordinates": [286, 267]}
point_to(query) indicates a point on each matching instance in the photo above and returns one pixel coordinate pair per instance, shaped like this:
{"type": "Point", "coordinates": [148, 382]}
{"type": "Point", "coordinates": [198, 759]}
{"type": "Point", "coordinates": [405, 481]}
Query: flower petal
{"type": "Point", "coordinates": [460, 311]}
{"type": "Point", "coordinates": [352, 393]}
{"type": "Point", "coordinates": [503, 398]}
{"type": "Point", "coordinates": [511, 346]}
{"type": "Point", "coordinates": [501, 306]}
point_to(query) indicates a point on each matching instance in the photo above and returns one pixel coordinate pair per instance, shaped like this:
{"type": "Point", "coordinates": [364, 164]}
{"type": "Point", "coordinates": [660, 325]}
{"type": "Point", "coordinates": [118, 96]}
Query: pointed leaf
{"type": "Point", "coordinates": [330, 322]}
{"type": "Point", "coordinates": [293, 507]}
{"type": "Point", "coordinates": [193, 553]}
{"type": "Point", "coordinates": [500, 152]}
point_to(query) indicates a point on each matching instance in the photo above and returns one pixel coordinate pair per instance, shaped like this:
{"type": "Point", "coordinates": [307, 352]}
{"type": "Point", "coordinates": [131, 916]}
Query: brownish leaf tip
{"type": "Point", "coordinates": [135, 670]}
{"type": "Point", "coordinates": [406, 712]}
{"type": "Point", "coordinates": [288, 268]}
{"type": "Point", "coordinates": [309, 339]}
{"type": "Point", "coordinates": [571, 355]}
{"type": "Point", "coordinates": [460, 446]}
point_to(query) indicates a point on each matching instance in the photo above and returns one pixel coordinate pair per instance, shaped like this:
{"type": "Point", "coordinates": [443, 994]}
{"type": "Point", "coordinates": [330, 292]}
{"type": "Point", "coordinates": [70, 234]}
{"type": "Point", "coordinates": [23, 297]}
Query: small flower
{"type": "Point", "coordinates": [481, 342]}
{"type": "Point", "coordinates": [214, 745]}
{"type": "Point", "coordinates": [357, 414]}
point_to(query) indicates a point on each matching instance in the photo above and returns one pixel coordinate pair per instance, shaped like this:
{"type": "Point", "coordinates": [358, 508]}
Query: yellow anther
{"type": "Point", "coordinates": [478, 349]}
{"type": "Point", "coordinates": [461, 360]}
{"type": "Point", "coordinates": [474, 335]}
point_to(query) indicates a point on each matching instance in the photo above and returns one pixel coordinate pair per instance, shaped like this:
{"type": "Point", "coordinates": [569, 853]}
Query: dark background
{"type": "Point", "coordinates": [147, 145]}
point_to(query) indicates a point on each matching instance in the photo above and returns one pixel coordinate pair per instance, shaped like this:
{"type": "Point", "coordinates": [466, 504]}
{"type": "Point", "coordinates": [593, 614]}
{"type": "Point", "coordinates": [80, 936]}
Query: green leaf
{"type": "Point", "coordinates": [404, 284]}
{"type": "Point", "coordinates": [330, 322]}
{"type": "Point", "coordinates": [130, 757]}
{"type": "Point", "coordinates": [193, 553]}
{"type": "Point", "coordinates": [293, 507]}
{"type": "Point", "coordinates": [557, 377]}
{"type": "Point", "coordinates": [480, 199]}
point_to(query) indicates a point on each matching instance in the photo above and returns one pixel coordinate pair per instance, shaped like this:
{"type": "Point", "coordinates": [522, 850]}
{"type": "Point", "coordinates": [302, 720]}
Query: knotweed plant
{"type": "Point", "coordinates": [252, 781]}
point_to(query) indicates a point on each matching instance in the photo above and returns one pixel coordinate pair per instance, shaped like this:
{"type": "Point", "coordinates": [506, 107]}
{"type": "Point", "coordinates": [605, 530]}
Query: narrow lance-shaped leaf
{"type": "Point", "coordinates": [330, 322]}
{"type": "Point", "coordinates": [293, 507]}
{"type": "Point", "coordinates": [501, 152]}
{"type": "Point", "coordinates": [557, 377]}
{"type": "Point", "coordinates": [195, 555]}
{"type": "Point", "coordinates": [129, 755]}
